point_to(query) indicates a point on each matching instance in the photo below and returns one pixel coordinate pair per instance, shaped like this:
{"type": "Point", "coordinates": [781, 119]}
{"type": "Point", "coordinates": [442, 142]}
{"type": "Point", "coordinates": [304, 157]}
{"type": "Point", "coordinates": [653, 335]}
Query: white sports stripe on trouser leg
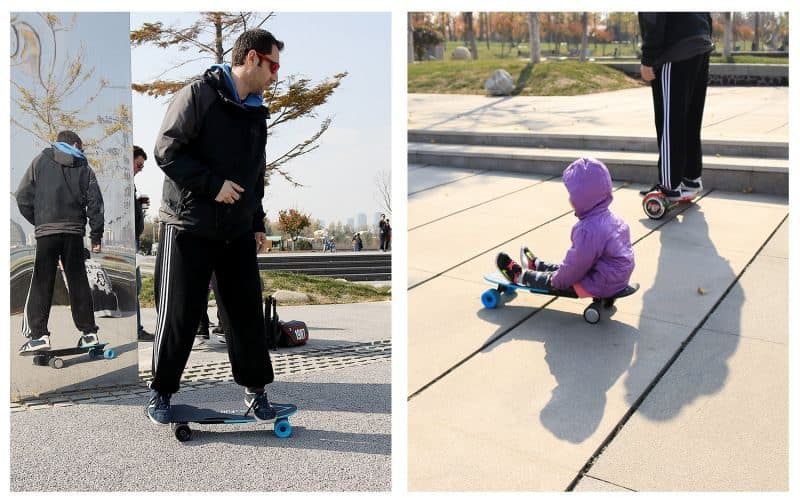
{"type": "Point", "coordinates": [163, 300]}
{"type": "Point", "coordinates": [26, 328]}
{"type": "Point", "coordinates": [666, 170]}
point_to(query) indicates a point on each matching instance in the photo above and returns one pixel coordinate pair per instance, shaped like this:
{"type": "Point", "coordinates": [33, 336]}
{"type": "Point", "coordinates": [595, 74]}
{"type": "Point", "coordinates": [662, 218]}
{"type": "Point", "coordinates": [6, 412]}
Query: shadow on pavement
{"type": "Point", "coordinates": [712, 375]}
{"type": "Point", "coordinates": [585, 360]}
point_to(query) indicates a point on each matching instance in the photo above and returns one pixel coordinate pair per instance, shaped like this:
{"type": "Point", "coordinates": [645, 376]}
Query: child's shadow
{"type": "Point", "coordinates": [585, 360]}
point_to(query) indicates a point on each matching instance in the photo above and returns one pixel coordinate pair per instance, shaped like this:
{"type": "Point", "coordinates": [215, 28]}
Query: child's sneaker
{"type": "Point", "coordinates": [259, 403]}
{"type": "Point", "coordinates": [88, 340]}
{"type": "Point", "coordinates": [692, 187]}
{"type": "Point", "coordinates": [158, 409]}
{"type": "Point", "coordinates": [527, 259]}
{"type": "Point", "coordinates": [39, 344]}
{"type": "Point", "coordinates": [510, 270]}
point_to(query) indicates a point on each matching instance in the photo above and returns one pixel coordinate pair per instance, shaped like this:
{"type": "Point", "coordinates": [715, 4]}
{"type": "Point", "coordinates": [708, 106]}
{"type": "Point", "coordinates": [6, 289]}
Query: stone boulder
{"type": "Point", "coordinates": [500, 83]}
{"type": "Point", "coordinates": [287, 296]}
{"type": "Point", "coordinates": [462, 54]}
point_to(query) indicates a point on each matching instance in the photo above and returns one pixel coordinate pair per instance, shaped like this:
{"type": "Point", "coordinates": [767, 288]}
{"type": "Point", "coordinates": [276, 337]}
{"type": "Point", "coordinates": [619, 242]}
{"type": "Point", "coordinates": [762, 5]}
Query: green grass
{"type": "Point", "coordinates": [320, 290]}
{"type": "Point", "coordinates": [496, 50]}
{"type": "Point", "coordinates": [547, 78]}
{"type": "Point", "coordinates": [750, 59]}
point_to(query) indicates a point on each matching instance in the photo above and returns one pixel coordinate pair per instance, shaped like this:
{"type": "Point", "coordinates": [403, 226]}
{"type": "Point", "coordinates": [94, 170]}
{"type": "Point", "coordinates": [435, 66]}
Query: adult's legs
{"type": "Point", "coordinates": [694, 118]}
{"type": "Point", "coordinates": [239, 301]}
{"type": "Point", "coordinates": [40, 293]}
{"type": "Point", "coordinates": [183, 268]}
{"type": "Point", "coordinates": [73, 258]}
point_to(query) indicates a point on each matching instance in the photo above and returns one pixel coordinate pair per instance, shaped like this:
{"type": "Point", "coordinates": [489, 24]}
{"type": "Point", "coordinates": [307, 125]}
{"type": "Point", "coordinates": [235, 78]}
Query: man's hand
{"type": "Point", "coordinates": [229, 193]}
{"type": "Point", "coordinates": [647, 73]}
{"type": "Point", "coordinates": [96, 248]}
{"type": "Point", "coordinates": [261, 238]}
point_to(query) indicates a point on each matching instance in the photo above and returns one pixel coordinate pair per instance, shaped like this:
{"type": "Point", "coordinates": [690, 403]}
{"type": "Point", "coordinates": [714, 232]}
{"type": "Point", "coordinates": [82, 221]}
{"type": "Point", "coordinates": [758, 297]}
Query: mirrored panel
{"type": "Point", "coordinates": [71, 204]}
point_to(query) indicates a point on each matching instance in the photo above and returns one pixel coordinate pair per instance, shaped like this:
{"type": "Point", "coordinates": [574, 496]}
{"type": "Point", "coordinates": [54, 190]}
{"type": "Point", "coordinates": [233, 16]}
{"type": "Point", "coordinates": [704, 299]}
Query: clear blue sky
{"type": "Point", "coordinates": [339, 177]}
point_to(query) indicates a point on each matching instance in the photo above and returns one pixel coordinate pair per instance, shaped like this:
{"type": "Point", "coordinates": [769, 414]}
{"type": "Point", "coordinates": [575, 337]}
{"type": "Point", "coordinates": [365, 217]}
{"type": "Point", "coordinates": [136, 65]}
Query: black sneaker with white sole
{"type": "Point", "coordinates": [88, 340]}
{"type": "Point", "coordinates": [158, 409]}
{"type": "Point", "coordinates": [692, 187]}
{"type": "Point", "coordinates": [259, 404]}
{"type": "Point", "coordinates": [508, 267]}
{"type": "Point", "coordinates": [38, 344]}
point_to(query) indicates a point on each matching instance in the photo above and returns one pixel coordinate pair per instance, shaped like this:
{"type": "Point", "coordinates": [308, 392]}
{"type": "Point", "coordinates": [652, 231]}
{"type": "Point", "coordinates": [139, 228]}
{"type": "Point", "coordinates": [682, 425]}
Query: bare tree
{"type": "Point", "coordinates": [584, 35]}
{"type": "Point", "coordinates": [290, 99]}
{"type": "Point", "coordinates": [410, 30]}
{"type": "Point", "coordinates": [727, 43]}
{"type": "Point", "coordinates": [469, 34]}
{"type": "Point", "coordinates": [383, 179]}
{"type": "Point", "coordinates": [533, 29]}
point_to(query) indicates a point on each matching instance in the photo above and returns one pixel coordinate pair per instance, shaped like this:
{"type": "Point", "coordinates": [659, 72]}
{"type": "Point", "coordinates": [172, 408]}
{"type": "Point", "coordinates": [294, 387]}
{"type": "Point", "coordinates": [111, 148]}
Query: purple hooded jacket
{"type": "Point", "coordinates": [601, 256]}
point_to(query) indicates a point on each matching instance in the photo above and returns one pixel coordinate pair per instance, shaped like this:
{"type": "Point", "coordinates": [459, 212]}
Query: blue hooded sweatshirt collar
{"type": "Point", "coordinates": [68, 149]}
{"type": "Point", "coordinates": [252, 100]}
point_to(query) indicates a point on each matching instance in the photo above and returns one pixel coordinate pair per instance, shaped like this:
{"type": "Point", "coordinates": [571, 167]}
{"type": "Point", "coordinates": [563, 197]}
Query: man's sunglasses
{"type": "Point", "coordinates": [273, 66]}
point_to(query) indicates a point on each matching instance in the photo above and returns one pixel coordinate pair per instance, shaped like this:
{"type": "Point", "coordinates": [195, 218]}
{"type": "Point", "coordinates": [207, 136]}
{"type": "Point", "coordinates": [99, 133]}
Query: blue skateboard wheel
{"type": "Point", "coordinates": [283, 428]}
{"type": "Point", "coordinates": [490, 298]}
{"type": "Point", "coordinates": [109, 354]}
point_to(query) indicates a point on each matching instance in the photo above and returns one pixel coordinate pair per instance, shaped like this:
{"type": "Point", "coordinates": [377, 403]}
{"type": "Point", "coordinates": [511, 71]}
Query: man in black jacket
{"type": "Point", "coordinates": [139, 205]}
{"type": "Point", "coordinates": [675, 52]}
{"type": "Point", "coordinates": [211, 149]}
{"type": "Point", "coordinates": [57, 194]}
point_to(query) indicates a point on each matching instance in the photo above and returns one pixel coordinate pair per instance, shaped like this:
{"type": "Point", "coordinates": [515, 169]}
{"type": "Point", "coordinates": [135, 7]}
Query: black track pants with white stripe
{"type": "Point", "coordinates": [679, 97]}
{"type": "Point", "coordinates": [49, 249]}
{"type": "Point", "coordinates": [183, 269]}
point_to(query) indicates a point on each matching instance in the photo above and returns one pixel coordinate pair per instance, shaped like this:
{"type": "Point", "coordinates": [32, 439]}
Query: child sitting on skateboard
{"type": "Point", "coordinates": [600, 261]}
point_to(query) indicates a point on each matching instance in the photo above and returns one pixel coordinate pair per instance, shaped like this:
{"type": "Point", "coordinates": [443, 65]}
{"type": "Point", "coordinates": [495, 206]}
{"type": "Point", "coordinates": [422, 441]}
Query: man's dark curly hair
{"type": "Point", "coordinates": [253, 39]}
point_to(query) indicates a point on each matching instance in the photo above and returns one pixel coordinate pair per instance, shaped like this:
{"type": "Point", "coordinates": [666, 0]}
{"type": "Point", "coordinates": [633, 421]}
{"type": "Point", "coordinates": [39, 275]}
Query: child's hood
{"type": "Point", "coordinates": [589, 185]}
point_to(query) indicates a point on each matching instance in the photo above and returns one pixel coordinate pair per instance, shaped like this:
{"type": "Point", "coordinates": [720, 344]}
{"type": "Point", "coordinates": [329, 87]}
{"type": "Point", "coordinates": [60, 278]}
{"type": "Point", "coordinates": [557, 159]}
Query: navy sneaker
{"type": "Point", "coordinates": [88, 340]}
{"type": "Point", "coordinates": [259, 403]}
{"type": "Point", "coordinates": [510, 269]}
{"type": "Point", "coordinates": [42, 343]}
{"type": "Point", "coordinates": [158, 408]}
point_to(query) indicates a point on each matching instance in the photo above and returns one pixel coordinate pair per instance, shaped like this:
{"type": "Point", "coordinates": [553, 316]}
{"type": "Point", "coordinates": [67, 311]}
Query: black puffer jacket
{"type": "Point", "coordinates": [207, 137]}
{"type": "Point", "coordinates": [674, 36]}
{"type": "Point", "coordinates": [58, 193]}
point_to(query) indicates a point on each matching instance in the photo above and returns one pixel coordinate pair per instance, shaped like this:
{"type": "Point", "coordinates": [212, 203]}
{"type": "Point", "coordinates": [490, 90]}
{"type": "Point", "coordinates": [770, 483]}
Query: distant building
{"type": "Point", "coordinates": [362, 221]}
{"type": "Point", "coordinates": [350, 222]}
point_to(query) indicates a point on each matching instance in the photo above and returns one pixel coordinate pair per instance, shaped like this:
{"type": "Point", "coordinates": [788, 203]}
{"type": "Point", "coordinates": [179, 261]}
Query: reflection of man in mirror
{"type": "Point", "coordinates": [140, 204]}
{"type": "Point", "coordinates": [211, 149]}
{"type": "Point", "coordinates": [56, 195]}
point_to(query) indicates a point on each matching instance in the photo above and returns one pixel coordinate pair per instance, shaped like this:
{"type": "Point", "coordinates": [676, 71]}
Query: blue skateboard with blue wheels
{"type": "Point", "coordinates": [492, 298]}
{"type": "Point", "coordinates": [52, 357]}
{"type": "Point", "coordinates": [224, 413]}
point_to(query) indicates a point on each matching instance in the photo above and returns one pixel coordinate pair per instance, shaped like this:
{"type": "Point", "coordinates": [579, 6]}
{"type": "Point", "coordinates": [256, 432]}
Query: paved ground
{"type": "Point", "coordinates": [341, 380]}
{"type": "Point", "coordinates": [745, 113]}
{"type": "Point", "coordinates": [529, 396]}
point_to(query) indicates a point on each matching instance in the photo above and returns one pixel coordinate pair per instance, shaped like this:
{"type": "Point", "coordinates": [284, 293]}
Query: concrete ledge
{"type": "Point", "coordinates": [769, 176]}
{"type": "Point", "coordinates": [489, 137]}
{"type": "Point", "coordinates": [728, 74]}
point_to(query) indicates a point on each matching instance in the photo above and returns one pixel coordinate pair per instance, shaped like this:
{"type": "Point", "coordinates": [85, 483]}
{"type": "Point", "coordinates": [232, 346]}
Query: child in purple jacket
{"type": "Point", "coordinates": [600, 261]}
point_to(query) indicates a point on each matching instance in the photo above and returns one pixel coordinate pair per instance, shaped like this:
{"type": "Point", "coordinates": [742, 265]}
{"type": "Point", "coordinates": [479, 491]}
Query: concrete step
{"type": "Point", "coordinates": [770, 176]}
{"type": "Point", "coordinates": [489, 137]}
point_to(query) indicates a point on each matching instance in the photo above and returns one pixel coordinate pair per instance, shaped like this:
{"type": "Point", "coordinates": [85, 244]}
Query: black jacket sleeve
{"type": "Point", "coordinates": [181, 124]}
{"type": "Point", "coordinates": [258, 216]}
{"type": "Point", "coordinates": [95, 209]}
{"type": "Point", "coordinates": [652, 26]}
{"type": "Point", "coordinates": [26, 193]}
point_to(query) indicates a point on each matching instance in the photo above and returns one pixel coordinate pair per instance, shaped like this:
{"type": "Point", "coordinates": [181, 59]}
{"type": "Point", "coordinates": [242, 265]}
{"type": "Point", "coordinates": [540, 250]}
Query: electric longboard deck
{"type": "Point", "coordinates": [592, 313]}
{"type": "Point", "coordinates": [52, 357]}
{"type": "Point", "coordinates": [226, 413]}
